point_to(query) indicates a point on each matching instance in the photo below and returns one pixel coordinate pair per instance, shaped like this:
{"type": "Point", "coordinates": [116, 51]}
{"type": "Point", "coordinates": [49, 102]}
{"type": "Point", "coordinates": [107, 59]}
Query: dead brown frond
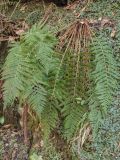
{"type": "Point", "coordinates": [48, 13]}
{"type": "Point", "coordinates": [75, 39]}
{"type": "Point", "coordinates": [83, 137]}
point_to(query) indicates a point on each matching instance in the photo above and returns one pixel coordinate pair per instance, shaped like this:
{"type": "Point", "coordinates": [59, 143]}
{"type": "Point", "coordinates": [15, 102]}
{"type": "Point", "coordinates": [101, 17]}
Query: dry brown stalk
{"type": "Point", "coordinates": [75, 36]}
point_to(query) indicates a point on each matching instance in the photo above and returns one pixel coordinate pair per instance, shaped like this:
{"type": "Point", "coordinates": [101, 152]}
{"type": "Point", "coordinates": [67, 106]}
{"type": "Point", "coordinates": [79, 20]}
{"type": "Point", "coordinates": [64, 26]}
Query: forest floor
{"type": "Point", "coordinates": [19, 18]}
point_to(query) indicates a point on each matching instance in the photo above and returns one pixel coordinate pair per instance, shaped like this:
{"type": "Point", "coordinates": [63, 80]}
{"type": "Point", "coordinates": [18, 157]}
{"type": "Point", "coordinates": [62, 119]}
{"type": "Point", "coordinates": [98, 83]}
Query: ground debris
{"type": "Point", "coordinates": [11, 30]}
{"type": "Point", "coordinates": [12, 145]}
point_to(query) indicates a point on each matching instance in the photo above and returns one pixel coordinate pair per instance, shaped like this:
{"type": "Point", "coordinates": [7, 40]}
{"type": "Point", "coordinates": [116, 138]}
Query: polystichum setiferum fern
{"type": "Point", "coordinates": [28, 69]}
{"type": "Point", "coordinates": [29, 75]}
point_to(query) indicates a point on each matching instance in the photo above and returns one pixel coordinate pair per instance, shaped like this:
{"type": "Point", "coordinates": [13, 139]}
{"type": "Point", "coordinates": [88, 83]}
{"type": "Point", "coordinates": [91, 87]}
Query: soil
{"type": "Point", "coordinates": [12, 145]}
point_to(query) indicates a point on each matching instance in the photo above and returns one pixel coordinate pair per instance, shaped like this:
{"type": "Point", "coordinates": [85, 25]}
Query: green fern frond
{"type": "Point", "coordinates": [35, 96]}
{"type": "Point", "coordinates": [13, 80]}
{"type": "Point", "coordinates": [105, 75]}
{"type": "Point", "coordinates": [49, 118]}
{"type": "Point", "coordinates": [24, 73]}
{"type": "Point", "coordinates": [43, 42]}
{"type": "Point", "coordinates": [96, 113]}
{"type": "Point", "coordinates": [105, 81]}
{"type": "Point", "coordinates": [74, 115]}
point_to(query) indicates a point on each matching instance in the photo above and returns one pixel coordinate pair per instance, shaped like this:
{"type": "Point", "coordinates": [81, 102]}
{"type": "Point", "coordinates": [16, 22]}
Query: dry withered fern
{"type": "Point", "coordinates": [74, 43]}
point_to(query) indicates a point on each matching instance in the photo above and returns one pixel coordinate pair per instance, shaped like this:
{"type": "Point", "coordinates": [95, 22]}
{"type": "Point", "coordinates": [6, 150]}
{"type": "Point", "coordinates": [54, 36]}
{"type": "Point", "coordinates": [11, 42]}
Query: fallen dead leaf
{"type": "Point", "coordinates": [23, 8]}
{"type": "Point", "coordinates": [19, 32]}
{"type": "Point", "coordinates": [113, 33]}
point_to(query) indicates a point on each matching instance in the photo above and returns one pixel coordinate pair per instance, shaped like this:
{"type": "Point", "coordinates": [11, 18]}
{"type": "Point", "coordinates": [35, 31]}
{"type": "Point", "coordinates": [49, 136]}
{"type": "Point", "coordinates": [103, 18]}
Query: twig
{"type": "Point", "coordinates": [15, 9]}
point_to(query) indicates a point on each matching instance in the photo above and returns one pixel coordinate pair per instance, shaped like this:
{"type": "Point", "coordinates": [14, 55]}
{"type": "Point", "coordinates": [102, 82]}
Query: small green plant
{"type": "Point", "coordinates": [47, 152]}
{"type": "Point", "coordinates": [34, 156]}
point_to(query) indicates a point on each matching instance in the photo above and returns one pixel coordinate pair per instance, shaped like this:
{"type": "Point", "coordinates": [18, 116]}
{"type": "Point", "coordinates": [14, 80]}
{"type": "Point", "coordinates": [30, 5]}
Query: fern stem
{"type": "Point", "coordinates": [25, 130]}
{"type": "Point", "coordinates": [78, 59]}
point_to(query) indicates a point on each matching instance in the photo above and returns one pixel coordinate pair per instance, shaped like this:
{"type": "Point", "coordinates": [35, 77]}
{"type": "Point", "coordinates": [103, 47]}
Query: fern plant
{"type": "Point", "coordinates": [27, 71]}
{"type": "Point", "coordinates": [105, 77]}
